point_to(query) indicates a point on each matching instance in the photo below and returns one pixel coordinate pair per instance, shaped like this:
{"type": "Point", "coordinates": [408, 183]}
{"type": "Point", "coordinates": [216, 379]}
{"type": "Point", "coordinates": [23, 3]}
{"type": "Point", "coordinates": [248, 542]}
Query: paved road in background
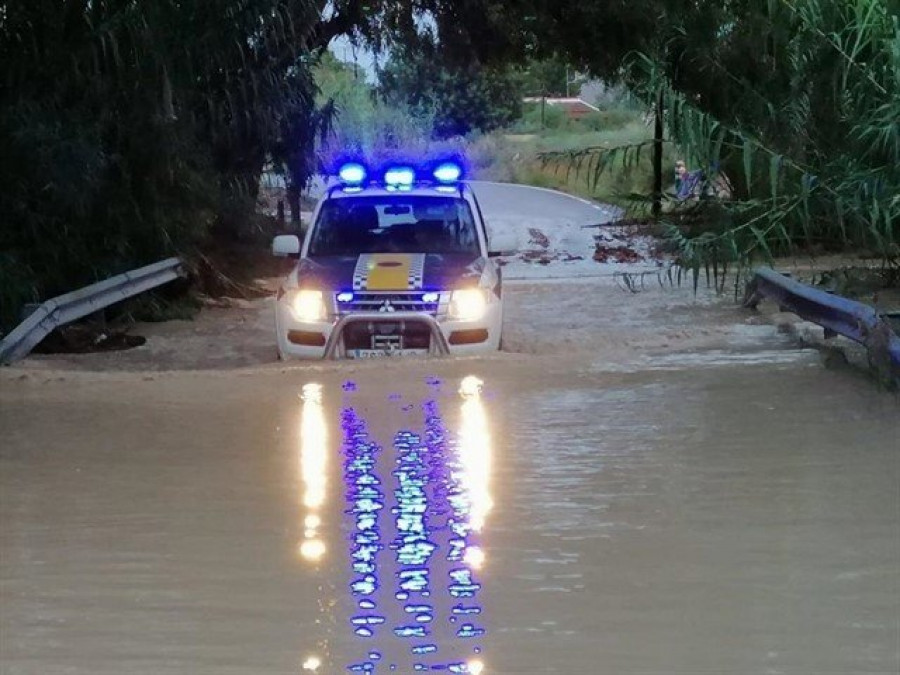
{"type": "Point", "coordinates": [519, 201]}
{"type": "Point", "coordinates": [647, 483]}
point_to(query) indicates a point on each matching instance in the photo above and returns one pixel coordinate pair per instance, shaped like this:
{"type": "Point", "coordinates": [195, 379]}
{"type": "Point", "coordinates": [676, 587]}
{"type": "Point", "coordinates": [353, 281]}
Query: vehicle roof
{"type": "Point", "coordinates": [456, 190]}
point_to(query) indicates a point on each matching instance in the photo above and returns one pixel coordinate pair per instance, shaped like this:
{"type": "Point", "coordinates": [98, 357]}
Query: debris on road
{"type": "Point", "coordinates": [616, 244]}
{"type": "Point", "coordinates": [538, 238]}
{"type": "Point", "coordinates": [618, 254]}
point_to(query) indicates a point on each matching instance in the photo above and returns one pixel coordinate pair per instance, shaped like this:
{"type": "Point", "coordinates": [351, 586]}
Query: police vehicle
{"type": "Point", "coordinates": [394, 263]}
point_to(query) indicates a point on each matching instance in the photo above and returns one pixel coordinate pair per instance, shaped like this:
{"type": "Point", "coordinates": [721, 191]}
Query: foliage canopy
{"type": "Point", "coordinates": [795, 103]}
{"type": "Point", "coordinates": [127, 129]}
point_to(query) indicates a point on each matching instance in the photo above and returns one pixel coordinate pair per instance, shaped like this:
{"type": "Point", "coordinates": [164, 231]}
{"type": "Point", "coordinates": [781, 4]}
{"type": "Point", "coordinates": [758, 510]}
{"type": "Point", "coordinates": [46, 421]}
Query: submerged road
{"type": "Point", "coordinates": [735, 519]}
{"type": "Point", "coordinates": [623, 496]}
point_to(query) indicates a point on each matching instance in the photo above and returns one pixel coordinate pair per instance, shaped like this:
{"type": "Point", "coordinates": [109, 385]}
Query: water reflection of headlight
{"type": "Point", "coordinates": [312, 549]}
{"type": "Point", "coordinates": [470, 386]}
{"type": "Point", "coordinates": [313, 469]}
{"type": "Point", "coordinates": [312, 663]}
{"type": "Point", "coordinates": [474, 557]}
{"type": "Point", "coordinates": [475, 667]}
{"type": "Point", "coordinates": [475, 452]}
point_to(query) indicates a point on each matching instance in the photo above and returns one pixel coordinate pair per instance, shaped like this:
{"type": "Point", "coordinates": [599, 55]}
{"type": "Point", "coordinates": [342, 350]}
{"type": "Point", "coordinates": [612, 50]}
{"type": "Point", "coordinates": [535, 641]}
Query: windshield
{"type": "Point", "coordinates": [394, 224]}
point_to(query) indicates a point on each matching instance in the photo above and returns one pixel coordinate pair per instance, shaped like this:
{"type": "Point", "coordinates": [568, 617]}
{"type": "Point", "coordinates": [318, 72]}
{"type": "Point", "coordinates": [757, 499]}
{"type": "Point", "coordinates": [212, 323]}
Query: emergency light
{"type": "Point", "coordinates": [448, 172]}
{"type": "Point", "coordinates": [353, 173]}
{"type": "Point", "coordinates": [399, 176]}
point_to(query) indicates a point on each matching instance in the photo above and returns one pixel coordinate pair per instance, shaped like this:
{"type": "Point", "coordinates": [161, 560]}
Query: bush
{"type": "Point", "coordinates": [534, 121]}
{"type": "Point", "coordinates": [492, 157]}
{"type": "Point", "coordinates": [609, 120]}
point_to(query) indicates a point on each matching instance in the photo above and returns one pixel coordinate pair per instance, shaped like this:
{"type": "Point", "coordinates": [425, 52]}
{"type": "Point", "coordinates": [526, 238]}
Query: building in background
{"type": "Point", "coordinates": [575, 108]}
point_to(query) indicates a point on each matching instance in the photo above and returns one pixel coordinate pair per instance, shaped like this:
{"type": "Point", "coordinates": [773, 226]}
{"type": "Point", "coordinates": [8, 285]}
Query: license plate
{"type": "Point", "coordinates": [377, 353]}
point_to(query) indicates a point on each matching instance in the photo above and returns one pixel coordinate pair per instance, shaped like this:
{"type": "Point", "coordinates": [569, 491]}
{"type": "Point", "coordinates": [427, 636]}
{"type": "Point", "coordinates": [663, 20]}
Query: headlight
{"type": "Point", "coordinates": [308, 306]}
{"type": "Point", "coordinates": [469, 304]}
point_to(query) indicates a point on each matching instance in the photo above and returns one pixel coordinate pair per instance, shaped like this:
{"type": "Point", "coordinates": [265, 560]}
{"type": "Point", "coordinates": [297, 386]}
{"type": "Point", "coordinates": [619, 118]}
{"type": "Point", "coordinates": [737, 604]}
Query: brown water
{"type": "Point", "coordinates": [702, 514]}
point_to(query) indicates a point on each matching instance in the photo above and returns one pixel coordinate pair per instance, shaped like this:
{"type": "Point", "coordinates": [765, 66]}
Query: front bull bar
{"type": "Point", "coordinates": [438, 344]}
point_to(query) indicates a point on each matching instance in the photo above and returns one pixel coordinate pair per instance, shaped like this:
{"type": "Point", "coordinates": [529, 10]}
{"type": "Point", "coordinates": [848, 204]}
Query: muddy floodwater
{"type": "Point", "coordinates": [724, 512]}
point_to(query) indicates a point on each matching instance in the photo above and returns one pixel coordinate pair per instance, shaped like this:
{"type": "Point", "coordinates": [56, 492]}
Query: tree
{"type": "Point", "coordinates": [795, 102]}
{"type": "Point", "coordinates": [551, 77]}
{"type": "Point", "coordinates": [461, 99]}
{"type": "Point", "coordinates": [128, 128]}
{"type": "Point", "coordinates": [342, 86]}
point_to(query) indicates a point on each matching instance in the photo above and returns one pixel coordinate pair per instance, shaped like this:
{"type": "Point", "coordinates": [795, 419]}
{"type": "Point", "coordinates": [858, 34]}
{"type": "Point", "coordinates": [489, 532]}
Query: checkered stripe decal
{"type": "Point", "coordinates": [361, 273]}
{"type": "Point", "coordinates": [367, 271]}
{"type": "Point", "coordinates": [416, 272]}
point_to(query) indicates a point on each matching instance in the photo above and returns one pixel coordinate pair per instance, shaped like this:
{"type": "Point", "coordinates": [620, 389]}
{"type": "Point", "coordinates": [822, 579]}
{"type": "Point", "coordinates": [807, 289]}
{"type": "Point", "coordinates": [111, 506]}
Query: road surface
{"type": "Point", "coordinates": [646, 483]}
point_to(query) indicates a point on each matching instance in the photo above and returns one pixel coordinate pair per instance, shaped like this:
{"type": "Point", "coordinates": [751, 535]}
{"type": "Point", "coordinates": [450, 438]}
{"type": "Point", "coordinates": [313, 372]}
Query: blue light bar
{"type": "Point", "coordinates": [448, 172]}
{"type": "Point", "coordinates": [400, 176]}
{"type": "Point", "coordinates": [346, 296]}
{"type": "Point", "coordinates": [353, 173]}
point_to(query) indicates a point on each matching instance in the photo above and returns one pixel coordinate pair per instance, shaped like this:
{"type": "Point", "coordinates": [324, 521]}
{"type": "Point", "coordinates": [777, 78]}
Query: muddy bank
{"type": "Point", "coordinates": [586, 319]}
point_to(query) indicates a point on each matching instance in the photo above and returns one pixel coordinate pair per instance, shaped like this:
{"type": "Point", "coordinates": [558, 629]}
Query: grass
{"type": "Point", "coordinates": [514, 157]}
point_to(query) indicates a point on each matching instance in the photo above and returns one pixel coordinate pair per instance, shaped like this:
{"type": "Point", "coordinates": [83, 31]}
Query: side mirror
{"type": "Point", "coordinates": [286, 246]}
{"type": "Point", "coordinates": [503, 244]}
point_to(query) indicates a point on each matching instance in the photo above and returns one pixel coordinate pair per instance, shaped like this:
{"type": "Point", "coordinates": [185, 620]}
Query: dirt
{"type": "Point", "coordinates": [84, 338]}
{"type": "Point", "coordinates": [226, 333]}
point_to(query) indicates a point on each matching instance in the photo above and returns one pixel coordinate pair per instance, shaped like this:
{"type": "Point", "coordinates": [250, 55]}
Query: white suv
{"type": "Point", "coordinates": [393, 266]}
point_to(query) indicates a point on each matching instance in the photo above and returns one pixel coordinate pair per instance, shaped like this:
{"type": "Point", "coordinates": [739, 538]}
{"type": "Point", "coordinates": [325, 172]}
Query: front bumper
{"type": "Point", "coordinates": [327, 339]}
{"type": "Point", "coordinates": [438, 345]}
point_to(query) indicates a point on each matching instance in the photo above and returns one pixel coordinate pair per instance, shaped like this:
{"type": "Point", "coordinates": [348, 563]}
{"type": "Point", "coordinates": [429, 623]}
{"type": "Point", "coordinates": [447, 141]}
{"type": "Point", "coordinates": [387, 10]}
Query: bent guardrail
{"type": "Point", "coordinates": [836, 314]}
{"type": "Point", "coordinates": [66, 308]}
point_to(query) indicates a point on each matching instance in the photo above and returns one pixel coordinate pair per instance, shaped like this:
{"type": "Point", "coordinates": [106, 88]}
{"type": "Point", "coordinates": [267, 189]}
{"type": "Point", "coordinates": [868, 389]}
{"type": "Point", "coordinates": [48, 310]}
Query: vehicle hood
{"type": "Point", "coordinates": [390, 271]}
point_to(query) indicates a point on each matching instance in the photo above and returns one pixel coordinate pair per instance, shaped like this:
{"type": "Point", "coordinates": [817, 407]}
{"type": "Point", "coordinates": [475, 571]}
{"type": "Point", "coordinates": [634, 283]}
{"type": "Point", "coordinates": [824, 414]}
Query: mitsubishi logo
{"type": "Point", "coordinates": [386, 307]}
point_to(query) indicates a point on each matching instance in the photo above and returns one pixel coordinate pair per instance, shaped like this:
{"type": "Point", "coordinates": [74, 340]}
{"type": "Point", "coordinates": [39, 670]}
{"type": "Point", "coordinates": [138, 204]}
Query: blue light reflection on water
{"type": "Point", "coordinates": [412, 547]}
{"type": "Point", "coordinates": [418, 561]}
{"type": "Point", "coordinates": [365, 499]}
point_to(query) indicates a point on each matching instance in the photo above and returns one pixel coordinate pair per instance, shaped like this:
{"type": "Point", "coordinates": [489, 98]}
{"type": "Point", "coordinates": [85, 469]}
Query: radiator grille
{"type": "Point", "coordinates": [389, 302]}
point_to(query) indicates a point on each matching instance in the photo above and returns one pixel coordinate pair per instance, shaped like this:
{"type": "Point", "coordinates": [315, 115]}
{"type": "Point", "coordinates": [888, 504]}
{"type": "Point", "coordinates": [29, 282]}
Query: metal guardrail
{"type": "Point", "coordinates": [836, 314]}
{"type": "Point", "coordinates": [67, 308]}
